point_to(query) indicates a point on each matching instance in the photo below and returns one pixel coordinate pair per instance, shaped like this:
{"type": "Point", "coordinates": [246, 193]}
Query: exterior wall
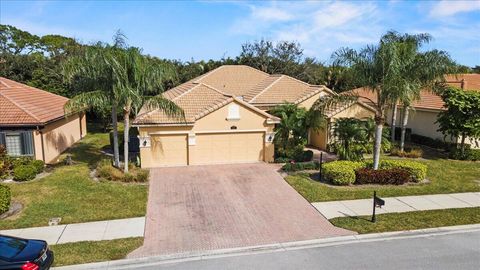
{"type": "Point", "coordinates": [355, 111]}
{"type": "Point", "coordinates": [215, 122]}
{"type": "Point", "coordinates": [422, 122]}
{"type": "Point", "coordinates": [307, 104]}
{"type": "Point", "coordinates": [322, 138]}
{"type": "Point", "coordinates": [58, 136]}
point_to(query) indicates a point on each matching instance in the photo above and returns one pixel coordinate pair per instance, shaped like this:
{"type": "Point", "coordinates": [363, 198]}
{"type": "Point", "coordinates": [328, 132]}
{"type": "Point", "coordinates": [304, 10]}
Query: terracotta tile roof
{"type": "Point", "coordinates": [195, 102]}
{"type": "Point", "coordinates": [429, 100]}
{"type": "Point", "coordinates": [199, 96]}
{"type": "Point", "coordinates": [464, 81]}
{"type": "Point", "coordinates": [21, 104]}
{"type": "Point", "coordinates": [285, 89]}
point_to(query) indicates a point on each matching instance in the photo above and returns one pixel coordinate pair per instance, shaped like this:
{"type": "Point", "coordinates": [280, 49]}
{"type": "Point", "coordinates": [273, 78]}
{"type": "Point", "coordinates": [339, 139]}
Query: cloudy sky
{"type": "Point", "coordinates": [213, 29]}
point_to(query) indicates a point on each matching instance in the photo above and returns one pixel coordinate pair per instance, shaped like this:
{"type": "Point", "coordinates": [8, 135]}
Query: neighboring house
{"type": "Point", "coordinates": [226, 118]}
{"type": "Point", "coordinates": [424, 114]}
{"type": "Point", "coordinates": [32, 122]}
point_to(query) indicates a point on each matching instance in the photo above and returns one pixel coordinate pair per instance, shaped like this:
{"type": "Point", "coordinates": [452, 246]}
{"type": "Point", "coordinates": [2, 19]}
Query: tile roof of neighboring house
{"type": "Point", "coordinates": [220, 86]}
{"type": "Point", "coordinates": [21, 104]}
{"type": "Point", "coordinates": [428, 100]}
{"type": "Point", "coordinates": [464, 81]}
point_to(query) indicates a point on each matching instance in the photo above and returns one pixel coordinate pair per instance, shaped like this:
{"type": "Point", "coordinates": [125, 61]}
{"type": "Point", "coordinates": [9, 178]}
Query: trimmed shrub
{"type": "Point", "coordinates": [5, 197]}
{"type": "Point", "coordinates": [417, 170]}
{"type": "Point", "coordinates": [341, 172]}
{"type": "Point", "coordinates": [282, 160]}
{"type": "Point", "coordinates": [395, 176]}
{"type": "Point", "coordinates": [19, 161]}
{"type": "Point", "coordinates": [469, 154]}
{"type": "Point", "coordinates": [39, 165]}
{"type": "Point", "coordinates": [301, 166]}
{"type": "Point", "coordinates": [24, 172]}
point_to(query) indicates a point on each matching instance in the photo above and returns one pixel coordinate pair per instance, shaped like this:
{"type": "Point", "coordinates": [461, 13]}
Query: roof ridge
{"type": "Point", "coordinates": [203, 76]}
{"type": "Point", "coordinates": [266, 88]}
{"type": "Point", "coordinates": [20, 107]}
{"type": "Point", "coordinates": [215, 89]}
{"type": "Point", "coordinates": [184, 93]}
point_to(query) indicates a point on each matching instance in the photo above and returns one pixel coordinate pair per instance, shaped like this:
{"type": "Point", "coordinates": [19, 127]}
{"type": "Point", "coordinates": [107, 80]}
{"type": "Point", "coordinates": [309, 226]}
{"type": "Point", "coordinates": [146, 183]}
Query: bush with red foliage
{"type": "Point", "coordinates": [395, 176]}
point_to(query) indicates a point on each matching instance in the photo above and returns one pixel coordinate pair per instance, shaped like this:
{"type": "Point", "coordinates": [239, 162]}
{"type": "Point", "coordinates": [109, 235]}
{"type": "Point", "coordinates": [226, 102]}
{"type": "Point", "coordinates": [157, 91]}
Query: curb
{"type": "Point", "coordinates": [219, 253]}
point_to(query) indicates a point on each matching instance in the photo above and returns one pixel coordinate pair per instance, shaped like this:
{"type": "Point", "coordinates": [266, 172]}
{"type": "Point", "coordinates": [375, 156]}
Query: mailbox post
{"type": "Point", "coordinates": [377, 202]}
{"type": "Point", "coordinates": [320, 171]}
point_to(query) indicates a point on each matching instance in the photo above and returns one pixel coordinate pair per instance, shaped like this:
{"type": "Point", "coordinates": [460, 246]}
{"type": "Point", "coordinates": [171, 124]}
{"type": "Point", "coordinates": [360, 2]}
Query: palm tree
{"type": "Point", "coordinates": [93, 71]}
{"type": "Point", "coordinates": [141, 76]}
{"type": "Point", "coordinates": [377, 69]}
{"type": "Point", "coordinates": [419, 70]}
{"type": "Point", "coordinates": [351, 134]}
{"type": "Point", "coordinates": [120, 77]}
{"type": "Point", "coordinates": [295, 122]}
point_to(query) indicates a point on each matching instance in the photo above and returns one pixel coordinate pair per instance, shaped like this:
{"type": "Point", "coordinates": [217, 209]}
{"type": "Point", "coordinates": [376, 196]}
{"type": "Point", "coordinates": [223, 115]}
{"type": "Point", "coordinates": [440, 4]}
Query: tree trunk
{"type": "Point", "coordinates": [404, 127]}
{"type": "Point", "coordinates": [462, 145]}
{"type": "Point", "coordinates": [394, 122]}
{"type": "Point", "coordinates": [116, 156]}
{"type": "Point", "coordinates": [378, 142]}
{"type": "Point", "coordinates": [126, 115]}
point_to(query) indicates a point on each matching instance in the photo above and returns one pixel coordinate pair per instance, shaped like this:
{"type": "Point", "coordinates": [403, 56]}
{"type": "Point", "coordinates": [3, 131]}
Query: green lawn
{"type": "Point", "coordinates": [88, 252]}
{"type": "Point", "coordinates": [69, 192]}
{"type": "Point", "coordinates": [445, 176]}
{"type": "Point", "coordinates": [410, 220]}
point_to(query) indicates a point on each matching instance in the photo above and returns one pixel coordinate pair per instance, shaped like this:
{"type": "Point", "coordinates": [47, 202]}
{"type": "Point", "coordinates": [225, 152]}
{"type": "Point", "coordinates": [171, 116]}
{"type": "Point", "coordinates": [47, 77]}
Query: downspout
{"type": "Point", "coordinates": [41, 139]}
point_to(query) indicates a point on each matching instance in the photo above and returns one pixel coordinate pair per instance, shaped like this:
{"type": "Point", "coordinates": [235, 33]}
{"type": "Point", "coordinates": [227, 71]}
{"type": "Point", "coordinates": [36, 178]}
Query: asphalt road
{"type": "Point", "coordinates": [452, 251]}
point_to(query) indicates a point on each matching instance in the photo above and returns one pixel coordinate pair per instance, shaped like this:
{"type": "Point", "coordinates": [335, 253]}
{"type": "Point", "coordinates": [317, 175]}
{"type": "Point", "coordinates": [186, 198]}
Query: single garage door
{"type": "Point", "coordinates": [170, 150]}
{"type": "Point", "coordinates": [217, 148]}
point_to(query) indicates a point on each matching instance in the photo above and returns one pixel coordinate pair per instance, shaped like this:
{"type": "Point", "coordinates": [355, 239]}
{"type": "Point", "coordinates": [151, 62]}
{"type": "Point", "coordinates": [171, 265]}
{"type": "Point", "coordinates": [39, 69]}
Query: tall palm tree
{"type": "Point", "coordinates": [419, 71]}
{"type": "Point", "coordinates": [120, 77]}
{"type": "Point", "coordinates": [92, 69]}
{"type": "Point", "coordinates": [377, 68]}
{"type": "Point", "coordinates": [140, 77]}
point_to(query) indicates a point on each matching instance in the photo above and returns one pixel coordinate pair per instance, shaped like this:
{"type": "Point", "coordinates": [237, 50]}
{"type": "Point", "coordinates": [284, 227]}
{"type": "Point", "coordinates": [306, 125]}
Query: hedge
{"type": "Point", "coordinates": [341, 172]}
{"type": "Point", "coordinates": [39, 165]}
{"type": "Point", "coordinates": [394, 176]}
{"type": "Point", "coordinates": [300, 166]}
{"type": "Point", "coordinates": [469, 154]}
{"type": "Point", "coordinates": [417, 170]}
{"type": "Point", "coordinates": [5, 197]}
{"type": "Point", "coordinates": [24, 172]}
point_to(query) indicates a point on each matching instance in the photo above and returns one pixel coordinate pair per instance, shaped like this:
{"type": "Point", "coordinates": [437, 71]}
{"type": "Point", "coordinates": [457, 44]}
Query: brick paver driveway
{"type": "Point", "coordinates": [199, 208]}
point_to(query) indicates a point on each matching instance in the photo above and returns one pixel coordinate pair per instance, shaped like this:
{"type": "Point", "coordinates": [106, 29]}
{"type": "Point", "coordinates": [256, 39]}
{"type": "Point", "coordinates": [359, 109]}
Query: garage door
{"type": "Point", "coordinates": [228, 148]}
{"type": "Point", "coordinates": [169, 150]}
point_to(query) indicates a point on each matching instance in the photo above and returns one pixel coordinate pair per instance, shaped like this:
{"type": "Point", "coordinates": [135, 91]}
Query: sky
{"type": "Point", "coordinates": [203, 30]}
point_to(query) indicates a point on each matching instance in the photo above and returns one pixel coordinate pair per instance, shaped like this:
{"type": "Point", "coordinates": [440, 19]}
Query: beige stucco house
{"type": "Point", "coordinates": [226, 118]}
{"type": "Point", "coordinates": [33, 123]}
{"type": "Point", "coordinates": [422, 119]}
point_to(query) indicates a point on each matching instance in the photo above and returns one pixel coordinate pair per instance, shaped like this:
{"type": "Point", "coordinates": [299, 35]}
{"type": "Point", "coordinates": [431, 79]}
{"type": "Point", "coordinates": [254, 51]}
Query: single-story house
{"type": "Point", "coordinates": [33, 123]}
{"type": "Point", "coordinates": [422, 118]}
{"type": "Point", "coordinates": [226, 118]}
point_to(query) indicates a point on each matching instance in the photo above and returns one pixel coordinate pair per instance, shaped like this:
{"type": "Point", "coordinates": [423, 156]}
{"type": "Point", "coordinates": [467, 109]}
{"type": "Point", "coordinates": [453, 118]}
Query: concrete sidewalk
{"type": "Point", "coordinates": [90, 231]}
{"type": "Point", "coordinates": [398, 204]}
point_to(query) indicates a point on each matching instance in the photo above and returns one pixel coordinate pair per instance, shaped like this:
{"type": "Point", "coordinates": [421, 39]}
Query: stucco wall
{"type": "Point", "coordinates": [58, 136]}
{"type": "Point", "coordinates": [307, 104]}
{"type": "Point", "coordinates": [355, 111]}
{"type": "Point", "coordinates": [216, 121]}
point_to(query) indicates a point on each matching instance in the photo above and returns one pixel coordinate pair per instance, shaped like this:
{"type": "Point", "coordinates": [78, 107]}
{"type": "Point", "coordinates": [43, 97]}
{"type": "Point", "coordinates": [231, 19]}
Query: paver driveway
{"type": "Point", "coordinates": [199, 208]}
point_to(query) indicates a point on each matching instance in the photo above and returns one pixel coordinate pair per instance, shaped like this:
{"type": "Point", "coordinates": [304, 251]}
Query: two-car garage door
{"type": "Point", "coordinates": [209, 148]}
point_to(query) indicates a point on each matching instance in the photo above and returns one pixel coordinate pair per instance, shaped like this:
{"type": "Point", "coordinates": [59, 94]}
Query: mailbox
{"type": "Point", "coordinates": [377, 202]}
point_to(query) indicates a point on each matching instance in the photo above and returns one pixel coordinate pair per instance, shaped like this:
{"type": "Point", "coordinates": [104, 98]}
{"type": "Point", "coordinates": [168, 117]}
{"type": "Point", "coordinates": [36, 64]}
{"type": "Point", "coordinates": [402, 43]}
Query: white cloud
{"type": "Point", "coordinates": [450, 8]}
{"type": "Point", "coordinates": [271, 14]}
{"type": "Point", "coordinates": [316, 25]}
